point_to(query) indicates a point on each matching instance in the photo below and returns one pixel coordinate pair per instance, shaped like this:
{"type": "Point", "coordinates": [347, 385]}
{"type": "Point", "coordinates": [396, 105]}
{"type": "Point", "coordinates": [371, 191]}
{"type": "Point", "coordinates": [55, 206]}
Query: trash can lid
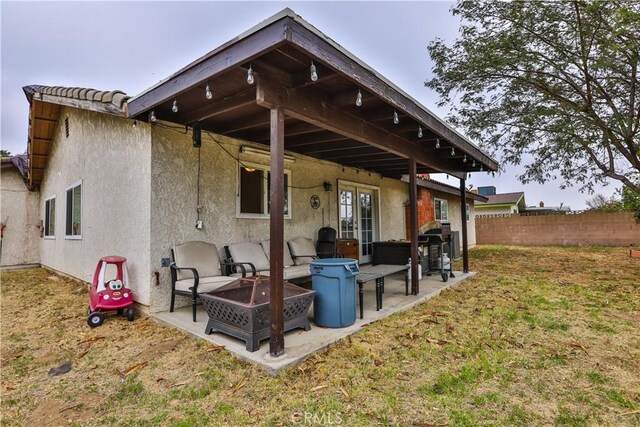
{"type": "Point", "coordinates": [327, 262]}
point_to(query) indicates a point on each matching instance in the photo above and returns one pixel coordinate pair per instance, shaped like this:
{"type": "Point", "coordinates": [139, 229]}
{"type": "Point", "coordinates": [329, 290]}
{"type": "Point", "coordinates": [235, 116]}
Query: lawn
{"type": "Point", "coordinates": [540, 336]}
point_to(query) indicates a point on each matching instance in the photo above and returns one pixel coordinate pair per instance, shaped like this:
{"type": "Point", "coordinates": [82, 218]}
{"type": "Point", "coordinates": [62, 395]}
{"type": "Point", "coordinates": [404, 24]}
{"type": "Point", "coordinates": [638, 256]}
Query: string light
{"type": "Point", "coordinates": [396, 119]}
{"type": "Point", "coordinates": [207, 92]}
{"type": "Point", "coordinates": [473, 165]}
{"type": "Point", "coordinates": [174, 107]}
{"type": "Point", "coordinates": [464, 159]}
{"type": "Point", "coordinates": [135, 124]}
{"type": "Point", "coordinates": [481, 168]}
{"type": "Point", "coordinates": [453, 151]}
{"type": "Point", "coordinates": [314, 72]}
{"type": "Point", "coordinates": [437, 142]}
{"type": "Point", "coordinates": [359, 98]}
{"type": "Point", "coordinates": [419, 131]}
{"type": "Point", "coordinates": [250, 78]}
{"type": "Point", "coordinates": [152, 116]}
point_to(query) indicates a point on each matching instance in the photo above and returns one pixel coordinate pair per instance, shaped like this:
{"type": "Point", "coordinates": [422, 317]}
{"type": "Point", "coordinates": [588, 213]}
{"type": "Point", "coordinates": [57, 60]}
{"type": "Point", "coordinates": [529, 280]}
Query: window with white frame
{"type": "Point", "coordinates": [441, 208]}
{"type": "Point", "coordinates": [254, 182]}
{"type": "Point", "coordinates": [50, 217]}
{"type": "Point", "coordinates": [73, 222]}
{"type": "Point", "coordinates": [468, 212]}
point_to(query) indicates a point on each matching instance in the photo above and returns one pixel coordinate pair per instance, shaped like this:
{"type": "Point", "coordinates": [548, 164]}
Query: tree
{"type": "Point", "coordinates": [604, 203]}
{"type": "Point", "coordinates": [4, 153]}
{"type": "Point", "coordinates": [552, 85]}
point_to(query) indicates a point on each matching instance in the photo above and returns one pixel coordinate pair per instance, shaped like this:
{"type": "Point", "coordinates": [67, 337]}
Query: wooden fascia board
{"type": "Point", "coordinates": [298, 105]}
{"type": "Point", "coordinates": [230, 56]}
{"type": "Point", "coordinates": [308, 41]}
{"type": "Point", "coordinates": [100, 107]}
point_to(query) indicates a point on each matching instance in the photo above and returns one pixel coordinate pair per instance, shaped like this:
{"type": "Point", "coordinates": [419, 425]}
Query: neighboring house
{"type": "Point", "coordinates": [542, 209]}
{"type": "Point", "coordinates": [129, 176]}
{"type": "Point", "coordinates": [19, 213]}
{"type": "Point", "coordinates": [503, 203]}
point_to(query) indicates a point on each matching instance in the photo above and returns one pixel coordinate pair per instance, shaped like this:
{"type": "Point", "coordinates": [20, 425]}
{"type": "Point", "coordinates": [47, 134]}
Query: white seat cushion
{"type": "Point", "coordinates": [258, 273]}
{"type": "Point", "coordinates": [249, 252]}
{"type": "Point", "coordinates": [266, 247]}
{"type": "Point", "coordinates": [297, 271]}
{"type": "Point", "coordinates": [205, 284]}
{"type": "Point", "coordinates": [202, 256]}
{"type": "Point", "coordinates": [302, 250]}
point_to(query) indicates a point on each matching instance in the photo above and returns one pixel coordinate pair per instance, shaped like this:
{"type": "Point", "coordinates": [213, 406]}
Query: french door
{"type": "Point", "coordinates": [359, 217]}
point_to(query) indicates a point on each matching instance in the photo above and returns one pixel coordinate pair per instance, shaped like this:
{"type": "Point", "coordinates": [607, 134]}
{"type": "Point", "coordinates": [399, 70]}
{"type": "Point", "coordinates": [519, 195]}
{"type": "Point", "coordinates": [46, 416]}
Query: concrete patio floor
{"type": "Point", "coordinates": [298, 343]}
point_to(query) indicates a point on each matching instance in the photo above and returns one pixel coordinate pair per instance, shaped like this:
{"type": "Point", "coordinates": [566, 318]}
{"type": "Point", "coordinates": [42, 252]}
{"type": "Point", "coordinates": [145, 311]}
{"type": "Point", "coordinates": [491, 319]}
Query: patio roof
{"type": "Point", "coordinates": [322, 119]}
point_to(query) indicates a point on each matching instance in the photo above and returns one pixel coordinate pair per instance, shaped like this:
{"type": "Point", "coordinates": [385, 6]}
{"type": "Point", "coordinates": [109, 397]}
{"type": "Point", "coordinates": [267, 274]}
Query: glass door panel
{"type": "Point", "coordinates": [347, 213]}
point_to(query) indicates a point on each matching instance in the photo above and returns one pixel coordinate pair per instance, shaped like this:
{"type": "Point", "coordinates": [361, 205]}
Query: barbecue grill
{"type": "Point", "coordinates": [435, 239]}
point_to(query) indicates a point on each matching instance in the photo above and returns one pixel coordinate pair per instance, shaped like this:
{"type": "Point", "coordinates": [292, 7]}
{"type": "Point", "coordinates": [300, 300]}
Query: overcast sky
{"type": "Point", "coordinates": [131, 45]}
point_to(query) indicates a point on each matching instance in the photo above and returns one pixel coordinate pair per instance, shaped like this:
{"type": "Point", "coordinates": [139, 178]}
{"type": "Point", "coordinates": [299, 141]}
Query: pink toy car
{"type": "Point", "coordinates": [112, 294]}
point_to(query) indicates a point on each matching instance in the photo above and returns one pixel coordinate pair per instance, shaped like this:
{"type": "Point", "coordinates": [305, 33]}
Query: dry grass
{"type": "Point", "coordinates": [541, 336]}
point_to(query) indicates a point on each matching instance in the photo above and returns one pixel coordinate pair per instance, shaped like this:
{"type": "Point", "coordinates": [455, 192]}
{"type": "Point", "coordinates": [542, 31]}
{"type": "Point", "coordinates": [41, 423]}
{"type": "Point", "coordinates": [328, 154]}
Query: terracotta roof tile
{"type": "Point", "coordinates": [115, 98]}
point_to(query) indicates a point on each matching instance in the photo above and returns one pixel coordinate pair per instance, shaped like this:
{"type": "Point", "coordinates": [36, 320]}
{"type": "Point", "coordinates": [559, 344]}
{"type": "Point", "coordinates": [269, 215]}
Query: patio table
{"type": "Point", "coordinates": [378, 272]}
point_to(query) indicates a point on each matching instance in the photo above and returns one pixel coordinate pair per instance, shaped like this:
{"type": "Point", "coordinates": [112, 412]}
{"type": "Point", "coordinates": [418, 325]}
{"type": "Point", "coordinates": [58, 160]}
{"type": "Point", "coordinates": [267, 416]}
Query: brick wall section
{"type": "Point", "coordinates": [426, 210]}
{"type": "Point", "coordinates": [589, 228]}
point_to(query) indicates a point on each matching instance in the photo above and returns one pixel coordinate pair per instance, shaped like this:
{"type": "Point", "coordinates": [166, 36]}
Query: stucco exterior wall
{"type": "Point", "coordinates": [174, 192]}
{"type": "Point", "coordinates": [112, 159]}
{"type": "Point", "coordinates": [19, 207]}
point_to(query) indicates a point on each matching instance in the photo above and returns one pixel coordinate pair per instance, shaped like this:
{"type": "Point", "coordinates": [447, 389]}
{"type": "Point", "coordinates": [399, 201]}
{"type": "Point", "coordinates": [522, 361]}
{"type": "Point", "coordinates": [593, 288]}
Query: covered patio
{"type": "Point", "coordinates": [301, 343]}
{"type": "Point", "coordinates": [287, 86]}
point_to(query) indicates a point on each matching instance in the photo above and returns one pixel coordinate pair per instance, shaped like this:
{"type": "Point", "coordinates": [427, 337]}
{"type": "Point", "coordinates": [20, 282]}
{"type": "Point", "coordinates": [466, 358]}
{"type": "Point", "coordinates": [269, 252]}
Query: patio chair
{"type": "Point", "coordinates": [195, 269]}
{"type": "Point", "coordinates": [302, 250]}
{"type": "Point", "coordinates": [326, 244]}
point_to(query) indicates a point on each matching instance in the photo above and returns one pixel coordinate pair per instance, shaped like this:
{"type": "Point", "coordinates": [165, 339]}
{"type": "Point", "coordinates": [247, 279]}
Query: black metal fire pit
{"type": "Point", "coordinates": [241, 309]}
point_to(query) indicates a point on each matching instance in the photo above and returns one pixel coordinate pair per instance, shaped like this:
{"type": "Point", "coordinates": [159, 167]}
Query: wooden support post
{"type": "Point", "coordinates": [413, 217]}
{"type": "Point", "coordinates": [463, 215]}
{"type": "Point", "coordinates": [276, 267]}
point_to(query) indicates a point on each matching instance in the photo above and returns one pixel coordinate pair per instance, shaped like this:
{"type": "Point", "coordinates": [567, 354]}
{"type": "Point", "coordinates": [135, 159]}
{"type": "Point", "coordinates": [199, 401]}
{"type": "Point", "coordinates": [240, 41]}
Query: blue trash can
{"type": "Point", "coordinates": [334, 280]}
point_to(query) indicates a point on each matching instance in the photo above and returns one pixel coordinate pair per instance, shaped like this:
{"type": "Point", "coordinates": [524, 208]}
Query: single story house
{"type": "Point", "coordinates": [270, 136]}
{"type": "Point", "coordinates": [502, 203]}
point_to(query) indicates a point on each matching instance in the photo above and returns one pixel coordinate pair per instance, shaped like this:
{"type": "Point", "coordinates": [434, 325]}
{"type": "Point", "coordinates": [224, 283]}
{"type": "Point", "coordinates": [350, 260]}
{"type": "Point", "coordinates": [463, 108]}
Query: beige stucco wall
{"type": "Point", "coordinates": [455, 216]}
{"type": "Point", "coordinates": [19, 207]}
{"type": "Point", "coordinates": [174, 189]}
{"type": "Point", "coordinates": [113, 160]}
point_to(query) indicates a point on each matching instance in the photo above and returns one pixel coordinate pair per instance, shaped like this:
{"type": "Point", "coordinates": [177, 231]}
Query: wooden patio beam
{"type": "Point", "coordinates": [463, 215]}
{"type": "Point", "coordinates": [221, 106]}
{"type": "Point", "coordinates": [243, 124]}
{"type": "Point", "coordinates": [276, 234]}
{"type": "Point", "coordinates": [329, 117]}
{"type": "Point", "coordinates": [413, 226]}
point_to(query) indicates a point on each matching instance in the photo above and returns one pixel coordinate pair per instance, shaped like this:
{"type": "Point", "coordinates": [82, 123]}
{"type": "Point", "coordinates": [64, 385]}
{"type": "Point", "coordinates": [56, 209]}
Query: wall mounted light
{"type": "Point", "coordinates": [327, 186]}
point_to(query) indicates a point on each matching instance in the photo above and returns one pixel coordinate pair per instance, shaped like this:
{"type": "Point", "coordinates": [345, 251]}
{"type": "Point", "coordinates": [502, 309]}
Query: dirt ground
{"type": "Point", "coordinates": [540, 336]}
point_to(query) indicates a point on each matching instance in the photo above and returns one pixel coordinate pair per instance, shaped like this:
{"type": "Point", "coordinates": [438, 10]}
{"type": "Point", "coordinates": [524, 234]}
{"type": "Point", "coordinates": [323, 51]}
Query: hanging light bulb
{"type": "Point", "coordinates": [250, 78]}
{"type": "Point", "coordinates": [135, 124]}
{"type": "Point", "coordinates": [359, 98]}
{"type": "Point", "coordinates": [396, 119]}
{"type": "Point", "coordinates": [174, 107]}
{"type": "Point", "coordinates": [152, 116]}
{"type": "Point", "coordinates": [464, 159]}
{"type": "Point", "coordinates": [481, 168]}
{"type": "Point", "coordinates": [437, 142]}
{"type": "Point", "coordinates": [314, 72]}
{"type": "Point", "coordinates": [419, 131]}
{"type": "Point", "coordinates": [207, 92]}
{"type": "Point", "coordinates": [473, 165]}
{"type": "Point", "coordinates": [453, 151]}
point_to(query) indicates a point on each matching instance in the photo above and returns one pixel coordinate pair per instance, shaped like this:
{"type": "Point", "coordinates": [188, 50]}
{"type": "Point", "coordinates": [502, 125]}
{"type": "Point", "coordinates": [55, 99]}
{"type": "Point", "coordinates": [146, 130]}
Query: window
{"type": "Point", "coordinates": [468, 212]}
{"type": "Point", "coordinates": [255, 191]}
{"type": "Point", "coordinates": [73, 228]}
{"type": "Point", "coordinates": [50, 217]}
{"type": "Point", "coordinates": [442, 210]}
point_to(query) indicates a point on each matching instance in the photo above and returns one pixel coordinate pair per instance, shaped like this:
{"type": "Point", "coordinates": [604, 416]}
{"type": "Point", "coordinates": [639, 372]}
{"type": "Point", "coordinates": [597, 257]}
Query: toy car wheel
{"type": "Point", "coordinates": [95, 319]}
{"type": "Point", "coordinates": [131, 314]}
{"type": "Point", "coordinates": [120, 311]}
